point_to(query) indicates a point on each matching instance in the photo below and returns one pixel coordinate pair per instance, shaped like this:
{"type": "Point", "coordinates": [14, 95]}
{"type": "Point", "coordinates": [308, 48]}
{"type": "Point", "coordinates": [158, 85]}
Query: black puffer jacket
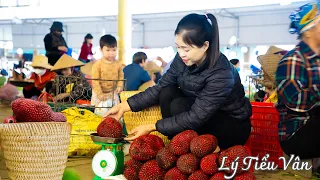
{"type": "Point", "coordinates": [217, 89]}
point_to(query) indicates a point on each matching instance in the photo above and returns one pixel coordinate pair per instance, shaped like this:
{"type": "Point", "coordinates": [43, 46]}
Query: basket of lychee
{"type": "Point", "coordinates": [188, 156]}
{"type": "Point", "coordinates": [37, 137]}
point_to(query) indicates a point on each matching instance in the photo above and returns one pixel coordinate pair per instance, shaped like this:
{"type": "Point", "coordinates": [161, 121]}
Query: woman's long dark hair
{"type": "Point", "coordinates": [196, 29]}
{"type": "Point", "coordinates": [88, 36]}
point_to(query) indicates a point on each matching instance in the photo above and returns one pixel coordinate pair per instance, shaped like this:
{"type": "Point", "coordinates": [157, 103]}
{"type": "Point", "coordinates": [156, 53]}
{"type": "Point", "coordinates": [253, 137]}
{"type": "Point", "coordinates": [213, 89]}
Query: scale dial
{"type": "Point", "coordinates": [104, 163]}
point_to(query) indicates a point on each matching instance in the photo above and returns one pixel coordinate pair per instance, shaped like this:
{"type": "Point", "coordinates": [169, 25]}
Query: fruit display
{"type": "Point", "coordinates": [233, 153]}
{"type": "Point", "coordinates": [175, 174]}
{"type": "Point", "coordinates": [166, 159]}
{"type": "Point", "coordinates": [132, 168]}
{"type": "Point", "coordinates": [203, 145]}
{"type": "Point", "coordinates": [28, 110]}
{"type": "Point", "coordinates": [180, 144]}
{"type": "Point", "coordinates": [209, 164]}
{"type": "Point", "coordinates": [151, 170]}
{"type": "Point", "coordinates": [145, 147]}
{"type": "Point", "coordinates": [188, 156]}
{"type": "Point", "coordinates": [199, 174]}
{"type": "Point", "coordinates": [218, 176]}
{"type": "Point", "coordinates": [110, 127]}
{"type": "Point", "coordinates": [188, 163]}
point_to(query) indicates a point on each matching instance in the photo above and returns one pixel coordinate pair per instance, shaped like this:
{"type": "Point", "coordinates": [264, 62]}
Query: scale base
{"type": "Point", "coordinates": [97, 178]}
{"type": "Point", "coordinates": [116, 150]}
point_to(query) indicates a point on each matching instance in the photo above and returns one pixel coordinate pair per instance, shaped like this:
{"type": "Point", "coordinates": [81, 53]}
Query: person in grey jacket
{"type": "Point", "coordinates": [201, 91]}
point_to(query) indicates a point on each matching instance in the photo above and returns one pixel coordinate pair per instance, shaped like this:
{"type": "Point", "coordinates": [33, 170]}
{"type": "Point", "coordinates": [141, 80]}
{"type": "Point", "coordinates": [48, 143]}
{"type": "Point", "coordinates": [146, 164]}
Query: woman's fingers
{"type": "Point", "coordinates": [113, 116]}
{"type": "Point", "coordinates": [108, 113]}
{"type": "Point", "coordinates": [111, 111]}
{"type": "Point", "coordinates": [131, 138]}
{"type": "Point", "coordinates": [120, 113]}
{"type": "Point", "coordinates": [116, 116]}
{"type": "Point", "coordinates": [133, 131]}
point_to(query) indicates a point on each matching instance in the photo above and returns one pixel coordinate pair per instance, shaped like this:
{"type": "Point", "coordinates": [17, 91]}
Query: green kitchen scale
{"type": "Point", "coordinates": [109, 161]}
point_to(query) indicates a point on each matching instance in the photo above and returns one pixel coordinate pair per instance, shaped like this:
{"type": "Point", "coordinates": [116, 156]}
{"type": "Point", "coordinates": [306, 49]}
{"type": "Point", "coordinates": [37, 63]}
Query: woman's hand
{"type": "Point", "coordinates": [63, 48]}
{"type": "Point", "coordinates": [140, 131]}
{"type": "Point", "coordinates": [117, 111]}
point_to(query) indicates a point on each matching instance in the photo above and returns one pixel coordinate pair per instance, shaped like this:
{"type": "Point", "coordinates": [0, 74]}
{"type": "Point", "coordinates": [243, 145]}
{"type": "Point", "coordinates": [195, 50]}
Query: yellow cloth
{"type": "Point", "coordinates": [84, 122]}
{"type": "Point", "coordinates": [104, 70]}
{"type": "Point", "coordinates": [69, 87]}
{"type": "Point", "coordinates": [273, 98]}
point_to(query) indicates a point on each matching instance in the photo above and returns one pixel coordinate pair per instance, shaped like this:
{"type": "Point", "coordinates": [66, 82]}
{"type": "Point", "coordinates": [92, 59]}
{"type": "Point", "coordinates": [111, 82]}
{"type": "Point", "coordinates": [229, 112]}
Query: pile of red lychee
{"type": "Point", "coordinates": [188, 156]}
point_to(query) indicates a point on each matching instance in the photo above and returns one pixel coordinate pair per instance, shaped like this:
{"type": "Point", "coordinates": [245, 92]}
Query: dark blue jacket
{"type": "Point", "coordinates": [135, 76]}
{"type": "Point", "coordinates": [216, 89]}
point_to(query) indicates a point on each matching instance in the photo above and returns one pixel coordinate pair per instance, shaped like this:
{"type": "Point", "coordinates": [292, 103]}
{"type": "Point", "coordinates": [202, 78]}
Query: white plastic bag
{"type": "Point", "coordinates": [102, 107]}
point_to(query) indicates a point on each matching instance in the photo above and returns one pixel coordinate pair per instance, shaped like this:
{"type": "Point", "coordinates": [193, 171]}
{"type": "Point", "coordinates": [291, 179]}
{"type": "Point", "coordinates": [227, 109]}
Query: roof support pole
{"type": "Point", "coordinates": [124, 32]}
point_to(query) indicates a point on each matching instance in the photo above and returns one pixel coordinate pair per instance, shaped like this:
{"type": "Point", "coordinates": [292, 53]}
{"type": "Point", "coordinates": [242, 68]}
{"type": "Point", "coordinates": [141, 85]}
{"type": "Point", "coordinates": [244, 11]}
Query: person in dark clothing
{"type": "Point", "coordinates": [54, 43]}
{"type": "Point", "coordinates": [201, 91]}
{"type": "Point", "coordinates": [157, 77]}
{"type": "Point", "coordinates": [135, 74]}
{"type": "Point", "coordinates": [235, 63]}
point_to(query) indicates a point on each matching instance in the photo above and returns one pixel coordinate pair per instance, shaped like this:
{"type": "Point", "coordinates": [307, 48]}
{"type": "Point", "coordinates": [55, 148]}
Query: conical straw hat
{"type": "Point", "coordinates": [66, 61]}
{"type": "Point", "coordinates": [269, 61]}
{"type": "Point", "coordinates": [40, 61]}
{"type": "Point", "coordinates": [87, 69]}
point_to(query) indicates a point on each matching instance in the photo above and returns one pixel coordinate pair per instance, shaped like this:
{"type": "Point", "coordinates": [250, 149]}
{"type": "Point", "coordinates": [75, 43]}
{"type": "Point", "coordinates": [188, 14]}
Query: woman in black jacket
{"type": "Point", "coordinates": [54, 43]}
{"type": "Point", "coordinates": [201, 91]}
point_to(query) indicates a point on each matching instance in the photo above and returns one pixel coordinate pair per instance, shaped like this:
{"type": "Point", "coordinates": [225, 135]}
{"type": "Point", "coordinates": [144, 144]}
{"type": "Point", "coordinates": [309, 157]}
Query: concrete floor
{"type": "Point", "coordinates": [83, 165]}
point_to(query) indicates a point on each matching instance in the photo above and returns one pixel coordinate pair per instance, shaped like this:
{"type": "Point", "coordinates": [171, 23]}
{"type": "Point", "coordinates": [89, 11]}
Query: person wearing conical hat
{"type": "Point", "coordinates": [87, 68]}
{"type": "Point", "coordinates": [72, 84]}
{"type": "Point", "coordinates": [41, 75]}
{"type": "Point", "coordinates": [269, 62]}
{"type": "Point", "coordinates": [87, 71]}
{"type": "Point", "coordinates": [298, 80]}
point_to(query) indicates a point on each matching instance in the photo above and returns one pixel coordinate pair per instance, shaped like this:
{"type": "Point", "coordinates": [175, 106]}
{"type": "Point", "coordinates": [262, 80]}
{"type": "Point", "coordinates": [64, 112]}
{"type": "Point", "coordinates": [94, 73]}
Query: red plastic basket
{"type": "Point", "coordinates": [264, 135]}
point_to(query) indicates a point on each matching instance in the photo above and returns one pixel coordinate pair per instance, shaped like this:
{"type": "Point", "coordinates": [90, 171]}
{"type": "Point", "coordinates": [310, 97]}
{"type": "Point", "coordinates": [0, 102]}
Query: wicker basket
{"type": "Point", "coordinates": [148, 116]}
{"type": "Point", "coordinates": [35, 151]}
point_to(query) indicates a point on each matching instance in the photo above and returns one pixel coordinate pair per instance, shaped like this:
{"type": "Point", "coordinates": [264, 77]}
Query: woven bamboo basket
{"type": "Point", "coordinates": [148, 116]}
{"type": "Point", "coordinates": [35, 151]}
